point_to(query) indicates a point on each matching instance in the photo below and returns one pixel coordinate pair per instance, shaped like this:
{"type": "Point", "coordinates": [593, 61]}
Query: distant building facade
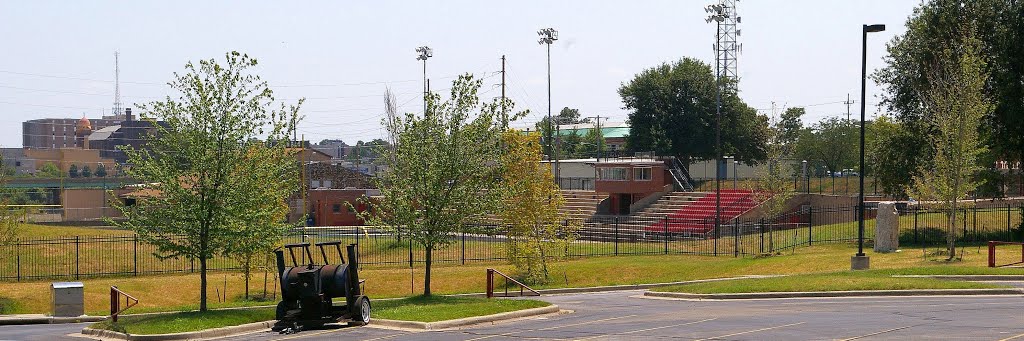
{"type": "Point", "coordinates": [56, 133]}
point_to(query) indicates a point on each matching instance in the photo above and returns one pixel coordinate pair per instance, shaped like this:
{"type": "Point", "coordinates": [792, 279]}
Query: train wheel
{"type": "Point", "coordinates": [361, 315]}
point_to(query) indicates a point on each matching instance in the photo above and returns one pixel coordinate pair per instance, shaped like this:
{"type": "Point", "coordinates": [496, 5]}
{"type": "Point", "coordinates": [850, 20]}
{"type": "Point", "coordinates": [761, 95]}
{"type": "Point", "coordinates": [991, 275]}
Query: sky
{"type": "Point", "coordinates": [57, 57]}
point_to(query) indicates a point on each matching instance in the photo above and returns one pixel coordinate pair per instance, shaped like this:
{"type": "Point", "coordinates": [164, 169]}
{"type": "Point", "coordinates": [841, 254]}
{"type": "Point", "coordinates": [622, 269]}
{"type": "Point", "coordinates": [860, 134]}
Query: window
{"type": "Point", "coordinates": [617, 174]}
{"type": "Point", "coordinates": [642, 174]}
{"type": "Point", "coordinates": [336, 208]}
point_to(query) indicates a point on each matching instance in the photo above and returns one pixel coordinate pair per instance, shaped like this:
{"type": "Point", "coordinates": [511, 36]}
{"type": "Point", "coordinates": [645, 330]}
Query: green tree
{"type": "Point", "coordinates": [85, 172]}
{"type": "Point", "coordinates": [218, 187]}
{"type": "Point", "coordinates": [673, 112]}
{"type": "Point", "coordinates": [955, 104]}
{"type": "Point", "coordinates": [10, 224]}
{"type": "Point", "coordinates": [935, 26]}
{"type": "Point", "coordinates": [73, 171]}
{"type": "Point", "coordinates": [833, 142]}
{"type": "Point", "coordinates": [101, 171]}
{"type": "Point", "coordinates": [49, 170]}
{"type": "Point", "coordinates": [890, 154]}
{"type": "Point", "coordinates": [788, 129]}
{"type": "Point", "coordinates": [566, 116]}
{"type": "Point", "coordinates": [771, 186]}
{"type": "Point", "coordinates": [442, 172]}
{"type": "Point", "coordinates": [537, 232]}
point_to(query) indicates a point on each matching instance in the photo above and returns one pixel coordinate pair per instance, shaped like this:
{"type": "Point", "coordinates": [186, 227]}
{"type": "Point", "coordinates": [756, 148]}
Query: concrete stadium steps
{"type": "Point", "coordinates": [698, 216]}
{"type": "Point", "coordinates": [581, 204]}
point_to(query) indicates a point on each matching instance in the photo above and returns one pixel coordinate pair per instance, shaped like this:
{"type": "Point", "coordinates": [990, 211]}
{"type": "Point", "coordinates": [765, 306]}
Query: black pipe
{"type": "Point", "coordinates": [353, 272]}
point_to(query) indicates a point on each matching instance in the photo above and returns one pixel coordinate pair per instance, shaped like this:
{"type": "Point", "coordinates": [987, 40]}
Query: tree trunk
{"type": "Point", "coordinates": [951, 233]}
{"type": "Point", "coordinates": [248, 273]}
{"type": "Point", "coordinates": [202, 282]}
{"type": "Point", "coordinates": [426, 274]}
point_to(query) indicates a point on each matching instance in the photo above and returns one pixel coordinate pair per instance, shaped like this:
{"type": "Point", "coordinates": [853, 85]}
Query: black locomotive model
{"type": "Point", "coordinates": [308, 291]}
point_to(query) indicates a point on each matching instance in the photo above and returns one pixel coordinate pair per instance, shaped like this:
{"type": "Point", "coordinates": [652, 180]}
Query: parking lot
{"type": "Point", "coordinates": [626, 315]}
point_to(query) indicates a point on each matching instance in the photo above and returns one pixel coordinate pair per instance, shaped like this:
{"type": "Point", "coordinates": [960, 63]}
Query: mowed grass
{"type": "Point", "coordinates": [832, 281]}
{"type": "Point", "coordinates": [440, 308]}
{"type": "Point", "coordinates": [181, 291]}
{"type": "Point", "coordinates": [37, 231]}
{"type": "Point", "coordinates": [185, 321]}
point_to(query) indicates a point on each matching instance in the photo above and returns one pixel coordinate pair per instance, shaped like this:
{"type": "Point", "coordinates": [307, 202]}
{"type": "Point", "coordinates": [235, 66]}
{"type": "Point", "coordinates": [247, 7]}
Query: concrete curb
{"type": "Point", "coordinates": [202, 334]}
{"type": "Point", "coordinates": [976, 278]}
{"type": "Point", "coordinates": [466, 321]}
{"type": "Point", "coordinates": [852, 293]}
{"type": "Point", "coordinates": [624, 287]}
{"type": "Point", "coordinates": [43, 319]}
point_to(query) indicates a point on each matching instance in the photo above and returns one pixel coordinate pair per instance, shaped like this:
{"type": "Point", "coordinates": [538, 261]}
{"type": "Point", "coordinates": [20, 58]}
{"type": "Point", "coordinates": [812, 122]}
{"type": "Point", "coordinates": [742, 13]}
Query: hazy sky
{"type": "Point", "coordinates": [57, 57]}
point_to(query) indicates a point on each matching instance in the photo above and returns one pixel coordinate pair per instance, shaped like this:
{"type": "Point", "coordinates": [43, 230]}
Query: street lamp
{"type": "Point", "coordinates": [807, 177]}
{"type": "Point", "coordinates": [735, 167]}
{"type": "Point", "coordinates": [424, 53]}
{"type": "Point", "coordinates": [548, 36]}
{"type": "Point", "coordinates": [861, 261]}
{"type": "Point", "coordinates": [717, 14]}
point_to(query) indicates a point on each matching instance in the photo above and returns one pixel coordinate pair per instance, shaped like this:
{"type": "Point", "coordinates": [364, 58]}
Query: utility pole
{"type": "Point", "coordinates": [848, 102]}
{"type": "Point", "coordinates": [504, 113]}
{"type": "Point", "coordinates": [600, 135]}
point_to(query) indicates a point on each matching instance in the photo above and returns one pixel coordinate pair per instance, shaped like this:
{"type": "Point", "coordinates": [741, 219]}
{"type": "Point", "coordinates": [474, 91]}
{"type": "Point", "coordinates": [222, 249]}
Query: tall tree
{"type": "Point", "coordinates": [537, 231]}
{"type": "Point", "coordinates": [787, 130]}
{"type": "Point", "coordinates": [832, 142]}
{"type": "Point", "coordinates": [443, 171]}
{"type": "Point", "coordinates": [218, 186]}
{"type": "Point", "coordinates": [49, 170]}
{"type": "Point", "coordinates": [954, 103]}
{"type": "Point", "coordinates": [935, 26]}
{"type": "Point", "coordinates": [673, 112]}
{"type": "Point", "coordinates": [564, 117]}
{"type": "Point", "coordinates": [890, 153]}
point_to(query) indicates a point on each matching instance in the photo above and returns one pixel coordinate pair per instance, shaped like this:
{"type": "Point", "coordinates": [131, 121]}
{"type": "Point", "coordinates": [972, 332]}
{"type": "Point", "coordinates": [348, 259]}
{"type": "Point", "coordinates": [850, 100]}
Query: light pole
{"type": "Point", "coordinates": [861, 261]}
{"type": "Point", "coordinates": [807, 181]}
{"type": "Point", "coordinates": [718, 14]}
{"type": "Point", "coordinates": [424, 53]}
{"type": "Point", "coordinates": [548, 36]}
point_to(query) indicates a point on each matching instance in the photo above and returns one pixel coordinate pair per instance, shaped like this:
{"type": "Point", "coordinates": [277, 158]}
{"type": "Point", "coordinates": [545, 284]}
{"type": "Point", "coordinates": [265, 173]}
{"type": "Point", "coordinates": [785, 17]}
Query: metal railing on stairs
{"type": "Point", "coordinates": [680, 174]}
{"type": "Point", "coordinates": [523, 289]}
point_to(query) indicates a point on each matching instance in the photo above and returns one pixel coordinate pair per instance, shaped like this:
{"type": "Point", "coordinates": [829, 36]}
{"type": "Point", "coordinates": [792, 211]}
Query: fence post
{"type": "Point", "coordinates": [810, 224]}
{"type": "Point", "coordinates": [135, 255]}
{"type": "Point", "coordinates": [1009, 235]}
{"type": "Point", "coordinates": [616, 235]}
{"type": "Point", "coordinates": [664, 236]}
{"type": "Point", "coordinates": [463, 247]}
{"type": "Point", "coordinates": [991, 254]}
{"type": "Point", "coordinates": [916, 210]}
{"type": "Point", "coordinates": [736, 237]}
{"type": "Point", "coordinates": [490, 283]}
{"type": "Point", "coordinates": [760, 226]}
{"type": "Point", "coordinates": [76, 258]}
{"type": "Point", "coordinates": [17, 251]}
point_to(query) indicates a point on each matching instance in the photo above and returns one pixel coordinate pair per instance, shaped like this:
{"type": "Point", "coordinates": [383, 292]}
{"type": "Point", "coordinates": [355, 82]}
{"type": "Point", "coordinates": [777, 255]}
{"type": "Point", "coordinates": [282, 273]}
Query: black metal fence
{"type": "Point", "coordinates": [80, 257]}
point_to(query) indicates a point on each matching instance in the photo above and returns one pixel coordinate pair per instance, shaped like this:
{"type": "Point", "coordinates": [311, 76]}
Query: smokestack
{"type": "Point", "coordinates": [128, 114]}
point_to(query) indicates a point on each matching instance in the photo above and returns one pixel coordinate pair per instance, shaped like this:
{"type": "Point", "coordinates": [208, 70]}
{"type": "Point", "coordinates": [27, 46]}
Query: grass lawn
{"type": "Point", "coordinates": [185, 321]}
{"type": "Point", "coordinates": [440, 308]}
{"type": "Point", "coordinates": [832, 281]}
{"type": "Point", "coordinates": [181, 291]}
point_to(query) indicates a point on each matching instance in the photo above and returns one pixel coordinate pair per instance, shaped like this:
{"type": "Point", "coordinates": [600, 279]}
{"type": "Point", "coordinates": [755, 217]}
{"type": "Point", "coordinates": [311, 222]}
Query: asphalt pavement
{"type": "Point", "coordinates": [628, 316]}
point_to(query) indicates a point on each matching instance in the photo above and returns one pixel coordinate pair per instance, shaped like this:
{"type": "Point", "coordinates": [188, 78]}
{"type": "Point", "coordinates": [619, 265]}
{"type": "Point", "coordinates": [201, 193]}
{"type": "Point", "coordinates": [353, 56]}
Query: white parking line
{"type": "Point", "coordinates": [751, 331]}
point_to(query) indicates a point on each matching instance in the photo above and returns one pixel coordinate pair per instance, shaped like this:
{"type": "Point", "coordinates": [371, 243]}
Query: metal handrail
{"type": "Point", "coordinates": [490, 284]}
{"type": "Point", "coordinates": [115, 302]}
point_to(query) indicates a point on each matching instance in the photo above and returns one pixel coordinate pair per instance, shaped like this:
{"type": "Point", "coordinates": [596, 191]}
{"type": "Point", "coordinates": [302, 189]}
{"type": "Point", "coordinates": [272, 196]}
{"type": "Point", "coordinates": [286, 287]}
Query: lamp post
{"type": "Point", "coordinates": [735, 167]}
{"type": "Point", "coordinates": [860, 261]}
{"type": "Point", "coordinates": [548, 36]}
{"type": "Point", "coordinates": [424, 53]}
{"type": "Point", "coordinates": [807, 178]}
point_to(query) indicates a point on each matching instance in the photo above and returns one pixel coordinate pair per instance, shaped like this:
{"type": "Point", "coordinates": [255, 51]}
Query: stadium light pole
{"type": "Point", "coordinates": [861, 261]}
{"type": "Point", "coordinates": [548, 36]}
{"type": "Point", "coordinates": [717, 14]}
{"type": "Point", "coordinates": [424, 53]}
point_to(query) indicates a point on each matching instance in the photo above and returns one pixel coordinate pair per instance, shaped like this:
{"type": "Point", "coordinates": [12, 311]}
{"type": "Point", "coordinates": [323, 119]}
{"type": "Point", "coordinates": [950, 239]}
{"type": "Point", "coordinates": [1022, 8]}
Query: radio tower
{"type": "Point", "coordinates": [727, 48]}
{"type": "Point", "coordinates": [118, 112]}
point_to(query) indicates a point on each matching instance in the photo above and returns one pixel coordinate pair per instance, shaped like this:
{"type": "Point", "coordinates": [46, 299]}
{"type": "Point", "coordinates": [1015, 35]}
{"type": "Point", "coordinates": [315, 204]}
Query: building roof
{"type": "Point", "coordinates": [613, 130]}
{"type": "Point", "coordinates": [104, 133]}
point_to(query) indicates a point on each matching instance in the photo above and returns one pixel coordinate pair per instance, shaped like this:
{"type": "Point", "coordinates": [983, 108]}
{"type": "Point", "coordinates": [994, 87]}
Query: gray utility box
{"type": "Point", "coordinates": [68, 299]}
